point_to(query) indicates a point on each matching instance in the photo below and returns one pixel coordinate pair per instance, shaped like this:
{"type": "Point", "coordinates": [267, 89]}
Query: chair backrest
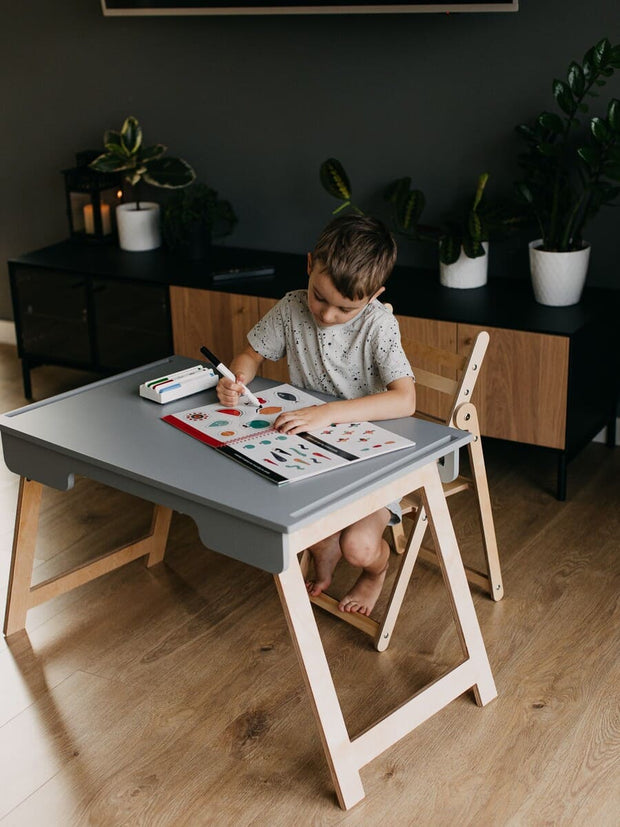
{"type": "Point", "coordinates": [465, 369]}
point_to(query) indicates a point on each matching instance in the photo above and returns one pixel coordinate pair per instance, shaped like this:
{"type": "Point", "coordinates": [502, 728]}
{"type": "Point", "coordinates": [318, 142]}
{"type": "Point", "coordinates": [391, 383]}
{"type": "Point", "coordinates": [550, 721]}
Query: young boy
{"type": "Point", "coordinates": [340, 340]}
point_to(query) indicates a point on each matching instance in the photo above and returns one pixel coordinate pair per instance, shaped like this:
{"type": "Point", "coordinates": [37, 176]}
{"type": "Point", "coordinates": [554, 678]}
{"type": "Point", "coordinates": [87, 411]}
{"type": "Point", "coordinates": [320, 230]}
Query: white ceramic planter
{"type": "Point", "coordinates": [558, 278]}
{"type": "Point", "coordinates": [465, 272]}
{"type": "Point", "coordinates": [138, 230]}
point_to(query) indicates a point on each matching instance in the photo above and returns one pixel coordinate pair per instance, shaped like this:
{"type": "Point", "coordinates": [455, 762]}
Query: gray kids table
{"type": "Point", "coordinates": [107, 432]}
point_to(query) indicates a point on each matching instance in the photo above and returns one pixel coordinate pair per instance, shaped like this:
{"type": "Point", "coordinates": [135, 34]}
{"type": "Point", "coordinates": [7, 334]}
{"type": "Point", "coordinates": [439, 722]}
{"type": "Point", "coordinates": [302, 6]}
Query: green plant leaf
{"type": "Point", "coordinates": [112, 140]}
{"type": "Point", "coordinates": [547, 149]}
{"type": "Point", "coordinates": [149, 153]}
{"type": "Point", "coordinates": [169, 173]}
{"type": "Point", "coordinates": [131, 135]}
{"type": "Point", "coordinates": [397, 190]}
{"type": "Point", "coordinates": [335, 180]}
{"type": "Point", "coordinates": [600, 130]}
{"type": "Point", "coordinates": [408, 210]}
{"type": "Point", "coordinates": [563, 97]}
{"type": "Point", "coordinates": [551, 122]}
{"type": "Point", "coordinates": [524, 192]}
{"type": "Point", "coordinates": [482, 182]}
{"type": "Point", "coordinates": [601, 53]}
{"type": "Point", "coordinates": [474, 227]}
{"type": "Point", "coordinates": [110, 163]}
{"type": "Point", "coordinates": [449, 249]}
{"type": "Point", "coordinates": [473, 248]}
{"type": "Point", "coordinates": [613, 114]}
{"type": "Point", "coordinates": [591, 155]}
{"type": "Point", "coordinates": [576, 79]}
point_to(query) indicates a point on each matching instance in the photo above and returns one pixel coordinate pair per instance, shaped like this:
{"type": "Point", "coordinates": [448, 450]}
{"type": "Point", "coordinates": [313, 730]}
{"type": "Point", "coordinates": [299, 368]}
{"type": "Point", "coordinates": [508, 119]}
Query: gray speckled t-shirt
{"type": "Point", "coordinates": [357, 358]}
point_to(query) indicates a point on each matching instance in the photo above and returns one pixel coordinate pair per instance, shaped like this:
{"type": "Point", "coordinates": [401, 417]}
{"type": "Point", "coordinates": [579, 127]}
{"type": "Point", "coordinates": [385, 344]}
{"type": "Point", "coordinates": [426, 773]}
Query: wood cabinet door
{"type": "Point", "coordinates": [278, 371]}
{"type": "Point", "coordinates": [521, 394]}
{"type": "Point", "coordinates": [436, 334]}
{"type": "Point", "coordinates": [218, 320]}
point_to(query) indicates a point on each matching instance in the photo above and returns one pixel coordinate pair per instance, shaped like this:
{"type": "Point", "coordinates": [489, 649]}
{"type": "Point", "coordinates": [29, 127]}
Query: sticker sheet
{"type": "Point", "coordinates": [246, 434]}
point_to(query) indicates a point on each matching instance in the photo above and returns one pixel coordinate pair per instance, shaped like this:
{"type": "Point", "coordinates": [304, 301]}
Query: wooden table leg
{"type": "Point", "coordinates": [22, 560]}
{"type": "Point", "coordinates": [158, 534]}
{"type": "Point", "coordinates": [453, 572]}
{"type": "Point", "coordinates": [340, 755]}
{"type": "Point", "coordinates": [345, 756]}
{"type": "Point", "coordinates": [22, 595]}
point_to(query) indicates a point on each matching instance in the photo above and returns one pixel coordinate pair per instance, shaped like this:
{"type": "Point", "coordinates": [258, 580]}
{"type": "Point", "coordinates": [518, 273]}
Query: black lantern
{"type": "Point", "coordinates": [91, 200]}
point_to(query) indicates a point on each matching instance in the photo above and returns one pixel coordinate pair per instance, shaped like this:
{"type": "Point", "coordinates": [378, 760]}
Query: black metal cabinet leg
{"type": "Point", "coordinates": [562, 473]}
{"type": "Point", "coordinates": [26, 380]}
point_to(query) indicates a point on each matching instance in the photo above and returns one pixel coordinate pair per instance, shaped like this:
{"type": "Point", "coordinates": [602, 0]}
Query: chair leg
{"type": "Point", "coordinates": [399, 537]}
{"type": "Point", "coordinates": [483, 499]}
{"type": "Point", "coordinates": [399, 587]}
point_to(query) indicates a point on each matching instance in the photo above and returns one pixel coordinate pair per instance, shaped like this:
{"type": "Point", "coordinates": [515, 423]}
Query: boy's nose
{"type": "Point", "coordinates": [328, 316]}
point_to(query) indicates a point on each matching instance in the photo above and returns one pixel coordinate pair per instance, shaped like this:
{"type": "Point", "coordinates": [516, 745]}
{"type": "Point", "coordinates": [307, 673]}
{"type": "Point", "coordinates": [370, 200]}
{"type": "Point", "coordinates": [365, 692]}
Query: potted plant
{"type": "Point", "coordinates": [138, 221]}
{"type": "Point", "coordinates": [192, 217]}
{"type": "Point", "coordinates": [568, 174]}
{"type": "Point", "coordinates": [462, 239]}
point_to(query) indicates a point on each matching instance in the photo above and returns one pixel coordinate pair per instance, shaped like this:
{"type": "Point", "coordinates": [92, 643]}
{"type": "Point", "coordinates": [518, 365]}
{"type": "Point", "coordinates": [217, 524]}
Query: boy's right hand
{"type": "Point", "coordinates": [229, 392]}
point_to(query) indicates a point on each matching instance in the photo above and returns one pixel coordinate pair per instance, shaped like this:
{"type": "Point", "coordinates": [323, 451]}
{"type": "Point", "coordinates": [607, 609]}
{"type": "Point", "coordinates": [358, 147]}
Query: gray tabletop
{"type": "Point", "coordinates": [106, 431]}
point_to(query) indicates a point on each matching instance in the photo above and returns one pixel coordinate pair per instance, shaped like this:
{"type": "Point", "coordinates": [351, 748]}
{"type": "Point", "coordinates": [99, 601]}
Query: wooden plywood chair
{"type": "Point", "coordinates": [458, 412]}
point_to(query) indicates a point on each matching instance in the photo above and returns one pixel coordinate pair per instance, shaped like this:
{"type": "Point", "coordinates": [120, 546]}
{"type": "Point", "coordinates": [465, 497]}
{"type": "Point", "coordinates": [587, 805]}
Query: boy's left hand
{"type": "Point", "coordinates": [303, 419]}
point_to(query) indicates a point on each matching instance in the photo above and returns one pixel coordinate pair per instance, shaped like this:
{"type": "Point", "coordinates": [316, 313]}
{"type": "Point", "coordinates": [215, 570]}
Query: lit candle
{"type": "Point", "coordinates": [89, 219]}
{"type": "Point", "coordinates": [106, 221]}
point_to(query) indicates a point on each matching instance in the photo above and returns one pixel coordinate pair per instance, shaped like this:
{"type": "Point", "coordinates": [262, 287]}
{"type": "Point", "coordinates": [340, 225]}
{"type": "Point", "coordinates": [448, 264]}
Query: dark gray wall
{"type": "Point", "coordinates": [256, 103]}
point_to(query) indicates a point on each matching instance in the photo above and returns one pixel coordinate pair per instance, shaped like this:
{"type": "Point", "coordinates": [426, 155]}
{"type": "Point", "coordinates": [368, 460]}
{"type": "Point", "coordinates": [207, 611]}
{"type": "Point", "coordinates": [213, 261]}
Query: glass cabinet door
{"type": "Point", "coordinates": [52, 315]}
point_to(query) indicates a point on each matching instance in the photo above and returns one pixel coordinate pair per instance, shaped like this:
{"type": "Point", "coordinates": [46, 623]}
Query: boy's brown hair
{"type": "Point", "coordinates": [358, 252]}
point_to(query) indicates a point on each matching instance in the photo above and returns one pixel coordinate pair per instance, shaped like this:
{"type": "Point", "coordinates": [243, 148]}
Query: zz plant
{"type": "Point", "coordinates": [570, 168]}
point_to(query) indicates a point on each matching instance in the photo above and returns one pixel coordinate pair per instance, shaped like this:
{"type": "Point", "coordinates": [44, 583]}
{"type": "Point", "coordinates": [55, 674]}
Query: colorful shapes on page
{"type": "Point", "coordinates": [257, 424]}
{"type": "Point", "coordinates": [229, 411]}
{"type": "Point", "coordinates": [196, 416]}
{"type": "Point", "coordinates": [289, 397]}
{"type": "Point", "coordinates": [274, 409]}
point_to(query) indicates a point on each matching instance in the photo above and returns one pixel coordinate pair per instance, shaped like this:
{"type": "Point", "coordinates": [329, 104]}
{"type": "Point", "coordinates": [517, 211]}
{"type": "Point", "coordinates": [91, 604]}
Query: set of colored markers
{"type": "Point", "coordinates": [179, 384]}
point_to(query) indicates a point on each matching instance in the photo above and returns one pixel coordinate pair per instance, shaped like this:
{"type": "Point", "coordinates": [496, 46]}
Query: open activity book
{"type": "Point", "coordinates": [246, 434]}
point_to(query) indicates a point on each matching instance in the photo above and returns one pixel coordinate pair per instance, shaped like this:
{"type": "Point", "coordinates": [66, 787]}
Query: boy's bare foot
{"type": "Point", "coordinates": [364, 594]}
{"type": "Point", "coordinates": [325, 557]}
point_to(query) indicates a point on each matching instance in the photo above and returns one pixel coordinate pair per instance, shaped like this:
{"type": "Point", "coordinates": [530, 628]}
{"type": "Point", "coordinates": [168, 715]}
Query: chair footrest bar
{"type": "Point", "coordinates": [362, 622]}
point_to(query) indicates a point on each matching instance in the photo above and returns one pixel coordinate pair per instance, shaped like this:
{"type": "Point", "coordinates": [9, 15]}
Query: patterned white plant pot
{"type": "Point", "coordinates": [558, 278]}
{"type": "Point", "coordinates": [138, 230]}
{"type": "Point", "coordinates": [465, 272]}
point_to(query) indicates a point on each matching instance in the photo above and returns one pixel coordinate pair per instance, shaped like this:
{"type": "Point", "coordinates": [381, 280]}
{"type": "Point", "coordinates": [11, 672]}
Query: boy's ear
{"type": "Point", "coordinates": [377, 294]}
{"type": "Point", "coordinates": [309, 263]}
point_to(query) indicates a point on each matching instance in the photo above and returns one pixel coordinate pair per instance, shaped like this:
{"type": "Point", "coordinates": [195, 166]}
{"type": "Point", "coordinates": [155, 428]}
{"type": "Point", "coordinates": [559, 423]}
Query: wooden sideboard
{"type": "Point", "coordinates": [551, 375]}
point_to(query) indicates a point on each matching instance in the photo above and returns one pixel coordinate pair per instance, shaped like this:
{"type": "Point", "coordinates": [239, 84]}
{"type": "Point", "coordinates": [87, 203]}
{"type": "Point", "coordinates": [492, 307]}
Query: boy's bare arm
{"type": "Point", "coordinates": [398, 400]}
{"type": "Point", "coordinates": [245, 367]}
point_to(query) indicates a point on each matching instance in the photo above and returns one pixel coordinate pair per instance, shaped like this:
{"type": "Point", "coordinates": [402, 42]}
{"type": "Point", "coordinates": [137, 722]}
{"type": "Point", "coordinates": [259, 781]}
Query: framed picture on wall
{"type": "Point", "coordinates": [194, 7]}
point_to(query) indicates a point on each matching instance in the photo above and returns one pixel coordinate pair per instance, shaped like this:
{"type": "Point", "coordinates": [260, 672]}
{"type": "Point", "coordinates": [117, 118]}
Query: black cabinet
{"type": "Point", "coordinates": [94, 322]}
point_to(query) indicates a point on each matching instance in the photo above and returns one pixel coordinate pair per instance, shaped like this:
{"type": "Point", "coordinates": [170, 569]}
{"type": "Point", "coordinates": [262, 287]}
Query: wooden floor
{"type": "Point", "coordinates": [172, 696]}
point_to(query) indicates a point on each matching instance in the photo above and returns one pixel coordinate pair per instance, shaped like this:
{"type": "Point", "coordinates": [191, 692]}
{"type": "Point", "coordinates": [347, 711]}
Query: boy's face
{"type": "Point", "coordinates": [327, 304]}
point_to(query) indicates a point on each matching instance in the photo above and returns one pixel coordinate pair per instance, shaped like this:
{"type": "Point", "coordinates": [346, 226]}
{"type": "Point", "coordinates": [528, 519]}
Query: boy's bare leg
{"type": "Point", "coordinates": [325, 556]}
{"type": "Point", "coordinates": [363, 545]}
